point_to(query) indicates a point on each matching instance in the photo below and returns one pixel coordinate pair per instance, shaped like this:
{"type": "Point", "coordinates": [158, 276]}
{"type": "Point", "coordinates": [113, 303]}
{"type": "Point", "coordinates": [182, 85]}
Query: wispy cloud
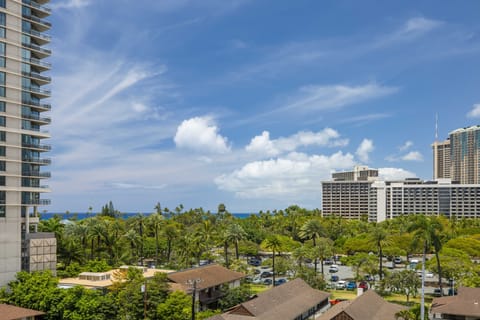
{"type": "Point", "coordinates": [314, 98]}
{"type": "Point", "coordinates": [403, 155]}
{"type": "Point", "coordinates": [70, 4]}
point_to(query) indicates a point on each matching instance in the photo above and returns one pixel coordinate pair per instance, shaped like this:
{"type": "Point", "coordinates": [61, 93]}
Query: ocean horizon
{"type": "Point", "coordinates": [126, 215]}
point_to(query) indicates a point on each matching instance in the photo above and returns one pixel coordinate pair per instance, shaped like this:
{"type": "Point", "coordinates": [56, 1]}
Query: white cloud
{"type": "Point", "coordinates": [394, 174]}
{"type": "Point", "coordinates": [70, 4]}
{"type": "Point", "coordinates": [407, 145]}
{"type": "Point", "coordinates": [364, 149]}
{"type": "Point", "coordinates": [294, 176]}
{"type": "Point", "coordinates": [264, 145]}
{"type": "Point", "coordinates": [200, 134]}
{"type": "Point", "coordinates": [335, 96]}
{"type": "Point", "coordinates": [413, 156]}
{"type": "Point", "coordinates": [475, 112]}
{"type": "Point", "coordinates": [420, 25]}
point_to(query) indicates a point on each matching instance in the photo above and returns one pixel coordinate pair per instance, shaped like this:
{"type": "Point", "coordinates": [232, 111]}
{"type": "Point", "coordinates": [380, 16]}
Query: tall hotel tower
{"type": "Point", "coordinates": [22, 67]}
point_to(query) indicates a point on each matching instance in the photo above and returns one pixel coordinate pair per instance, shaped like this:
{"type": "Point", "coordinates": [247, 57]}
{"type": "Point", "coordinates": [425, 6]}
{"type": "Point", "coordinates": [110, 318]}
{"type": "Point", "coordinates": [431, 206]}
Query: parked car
{"type": "Point", "coordinates": [268, 282]}
{"type": "Point", "coordinates": [341, 284]}
{"type": "Point", "coordinates": [397, 260]}
{"type": "Point", "coordinates": [351, 285]}
{"type": "Point", "coordinates": [368, 278]}
{"type": "Point", "coordinates": [328, 262]}
{"type": "Point", "coordinates": [255, 262]}
{"type": "Point", "coordinates": [437, 292]}
{"type": "Point", "coordinates": [333, 268]}
{"type": "Point", "coordinates": [363, 285]}
{"type": "Point", "coordinates": [280, 281]}
{"type": "Point", "coordinates": [266, 274]}
{"type": "Point", "coordinates": [257, 280]}
{"type": "Point", "coordinates": [334, 278]}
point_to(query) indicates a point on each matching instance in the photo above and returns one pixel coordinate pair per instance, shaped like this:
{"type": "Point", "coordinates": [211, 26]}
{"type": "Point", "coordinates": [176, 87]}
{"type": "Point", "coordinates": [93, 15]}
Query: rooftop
{"type": "Point", "coordinates": [466, 303]}
{"type": "Point", "coordinates": [9, 312]}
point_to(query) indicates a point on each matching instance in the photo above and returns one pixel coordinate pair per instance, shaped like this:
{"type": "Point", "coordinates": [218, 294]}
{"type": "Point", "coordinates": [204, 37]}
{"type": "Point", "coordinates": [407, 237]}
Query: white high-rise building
{"type": "Point", "coordinates": [22, 107]}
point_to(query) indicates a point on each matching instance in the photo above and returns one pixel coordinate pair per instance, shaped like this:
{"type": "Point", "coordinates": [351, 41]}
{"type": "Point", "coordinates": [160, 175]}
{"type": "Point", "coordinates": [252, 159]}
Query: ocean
{"type": "Point", "coordinates": [83, 215]}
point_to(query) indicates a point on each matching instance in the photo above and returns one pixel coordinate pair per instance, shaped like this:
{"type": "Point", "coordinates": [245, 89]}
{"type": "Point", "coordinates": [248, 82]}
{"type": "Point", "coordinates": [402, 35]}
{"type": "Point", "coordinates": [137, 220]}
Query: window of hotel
{"type": "Point", "coordinates": [3, 18]}
{"type": "Point", "coordinates": [2, 151]}
{"type": "Point", "coordinates": [3, 121]}
{"type": "Point", "coordinates": [2, 211]}
{"type": "Point", "coordinates": [2, 91]}
{"type": "Point", "coordinates": [2, 180]}
{"type": "Point", "coordinates": [2, 48]}
{"type": "Point", "coordinates": [3, 32]}
{"type": "Point", "coordinates": [2, 3]}
{"type": "Point", "coordinates": [2, 106]}
{"type": "Point", "coordinates": [3, 165]}
{"type": "Point", "coordinates": [3, 136]}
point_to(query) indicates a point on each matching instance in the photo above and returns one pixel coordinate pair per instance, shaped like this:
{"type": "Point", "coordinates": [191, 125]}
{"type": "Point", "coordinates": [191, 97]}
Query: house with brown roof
{"type": "Point", "coordinates": [294, 300]}
{"type": "Point", "coordinates": [463, 306]}
{"type": "Point", "coordinates": [368, 306]}
{"type": "Point", "coordinates": [208, 281]}
{"type": "Point", "coordinates": [9, 312]}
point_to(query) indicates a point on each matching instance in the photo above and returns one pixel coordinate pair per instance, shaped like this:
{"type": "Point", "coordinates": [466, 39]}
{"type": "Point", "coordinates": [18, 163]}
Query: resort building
{"type": "Point", "coordinates": [380, 200]}
{"type": "Point", "coordinates": [22, 107]}
{"type": "Point", "coordinates": [442, 165]}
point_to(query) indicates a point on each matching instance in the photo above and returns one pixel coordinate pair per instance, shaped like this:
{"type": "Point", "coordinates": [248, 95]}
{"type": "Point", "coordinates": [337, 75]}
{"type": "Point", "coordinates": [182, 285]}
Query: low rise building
{"type": "Point", "coordinates": [294, 300]}
{"type": "Point", "coordinates": [463, 306]}
{"type": "Point", "coordinates": [9, 312]}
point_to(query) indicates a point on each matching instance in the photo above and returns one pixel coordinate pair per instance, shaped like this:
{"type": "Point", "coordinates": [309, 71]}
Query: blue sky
{"type": "Point", "coordinates": [250, 103]}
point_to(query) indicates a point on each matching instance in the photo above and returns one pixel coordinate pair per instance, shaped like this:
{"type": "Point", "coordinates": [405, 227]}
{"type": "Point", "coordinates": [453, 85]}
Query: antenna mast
{"type": "Point", "coordinates": [436, 127]}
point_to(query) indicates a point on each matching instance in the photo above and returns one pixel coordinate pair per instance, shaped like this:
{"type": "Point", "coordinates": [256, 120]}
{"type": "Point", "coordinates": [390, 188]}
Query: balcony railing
{"type": "Point", "coordinates": [36, 117]}
{"type": "Point", "coordinates": [37, 160]}
{"type": "Point", "coordinates": [37, 48]}
{"type": "Point", "coordinates": [40, 35]}
{"type": "Point", "coordinates": [38, 20]}
{"type": "Point", "coordinates": [45, 106]}
{"type": "Point", "coordinates": [38, 90]}
{"type": "Point", "coordinates": [37, 174]}
{"type": "Point", "coordinates": [44, 147]}
{"type": "Point", "coordinates": [40, 202]}
{"type": "Point", "coordinates": [38, 6]}
{"type": "Point", "coordinates": [38, 62]}
{"type": "Point", "coordinates": [37, 76]}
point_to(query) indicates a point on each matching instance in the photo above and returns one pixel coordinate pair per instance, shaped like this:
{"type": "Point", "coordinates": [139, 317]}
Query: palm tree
{"type": "Point", "coordinates": [380, 237]}
{"type": "Point", "coordinates": [426, 230]}
{"type": "Point", "coordinates": [323, 250]}
{"type": "Point", "coordinates": [235, 233]}
{"type": "Point", "coordinates": [155, 221]}
{"type": "Point", "coordinates": [139, 222]}
{"type": "Point", "coordinates": [170, 232]}
{"type": "Point", "coordinates": [273, 243]}
{"type": "Point", "coordinates": [312, 229]}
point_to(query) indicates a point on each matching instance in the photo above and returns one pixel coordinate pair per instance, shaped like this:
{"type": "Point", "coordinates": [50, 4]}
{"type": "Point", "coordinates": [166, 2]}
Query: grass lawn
{"type": "Point", "coordinates": [257, 288]}
{"type": "Point", "coordinates": [397, 298]}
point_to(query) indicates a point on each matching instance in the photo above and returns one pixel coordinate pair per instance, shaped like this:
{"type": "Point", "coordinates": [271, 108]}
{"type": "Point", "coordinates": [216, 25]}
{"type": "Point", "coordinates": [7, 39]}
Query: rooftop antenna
{"type": "Point", "coordinates": [436, 127]}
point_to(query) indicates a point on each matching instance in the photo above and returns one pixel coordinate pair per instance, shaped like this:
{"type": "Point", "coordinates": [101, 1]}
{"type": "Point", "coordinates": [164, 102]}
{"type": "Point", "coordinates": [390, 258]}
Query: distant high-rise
{"type": "Point", "coordinates": [22, 91]}
{"type": "Point", "coordinates": [441, 160]}
{"type": "Point", "coordinates": [465, 155]}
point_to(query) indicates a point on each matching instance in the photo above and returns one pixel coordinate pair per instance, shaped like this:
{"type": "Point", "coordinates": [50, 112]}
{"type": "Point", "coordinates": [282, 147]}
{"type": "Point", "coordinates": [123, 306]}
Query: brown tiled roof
{"type": "Point", "coordinates": [8, 312]}
{"type": "Point", "coordinates": [286, 301]}
{"type": "Point", "coordinates": [466, 303]}
{"type": "Point", "coordinates": [210, 276]}
{"type": "Point", "coordinates": [368, 306]}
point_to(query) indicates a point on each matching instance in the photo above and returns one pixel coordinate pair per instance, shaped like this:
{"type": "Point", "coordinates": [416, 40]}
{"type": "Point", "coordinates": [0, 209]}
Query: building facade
{"type": "Point", "coordinates": [442, 165]}
{"type": "Point", "coordinates": [22, 107]}
{"type": "Point", "coordinates": [465, 155]}
{"type": "Point", "coordinates": [380, 200]}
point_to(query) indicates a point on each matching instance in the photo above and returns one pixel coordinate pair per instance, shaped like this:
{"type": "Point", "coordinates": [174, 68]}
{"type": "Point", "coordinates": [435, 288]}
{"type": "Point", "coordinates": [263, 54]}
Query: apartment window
{"type": "Point", "coordinates": [3, 32]}
{"type": "Point", "coordinates": [2, 77]}
{"type": "Point", "coordinates": [2, 62]}
{"type": "Point", "coordinates": [2, 48]}
{"type": "Point", "coordinates": [3, 121]}
{"type": "Point", "coordinates": [2, 151]}
{"type": "Point", "coordinates": [2, 211]}
{"type": "Point", "coordinates": [2, 4]}
{"type": "Point", "coordinates": [2, 91]}
{"type": "Point", "coordinates": [2, 180]}
{"type": "Point", "coordinates": [3, 136]}
{"type": "Point", "coordinates": [3, 166]}
{"type": "Point", "coordinates": [3, 18]}
{"type": "Point", "coordinates": [2, 106]}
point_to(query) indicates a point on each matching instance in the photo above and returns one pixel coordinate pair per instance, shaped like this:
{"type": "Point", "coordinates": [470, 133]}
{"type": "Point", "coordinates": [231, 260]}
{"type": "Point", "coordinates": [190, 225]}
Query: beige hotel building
{"type": "Point", "coordinates": [23, 90]}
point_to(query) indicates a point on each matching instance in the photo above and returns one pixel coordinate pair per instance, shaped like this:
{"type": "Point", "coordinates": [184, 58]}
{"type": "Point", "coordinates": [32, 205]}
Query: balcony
{"type": "Point", "coordinates": [43, 120]}
{"type": "Point", "coordinates": [41, 161]}
{"type": "Point", "coordinates": [44, 106]}
{"type": "Point", "coordinates": [36, 174]}
{"type": "Point", "coordinates": [38, 202]}
{"type": "Point", "coordinates": [39, 9]}
{"type": "Point", "coordinates": [39, 36]}
{"type": "Point", "coordinates": [39, 63]}
{"type": "Point", "coordinates": [42, 147]}
{"type": "Point", "coordinates": [39, 50]}
{"type": "Point", "coordinates": [37, 76]}
{"type": "Point", "coordinates": [43, 92]}
{"type": "Point", "coordinates": [40, 24]}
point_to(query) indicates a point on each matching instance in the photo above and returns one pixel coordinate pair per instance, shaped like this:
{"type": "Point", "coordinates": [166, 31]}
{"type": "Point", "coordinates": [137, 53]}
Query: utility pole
{"type": "Point", "coordinates": [144, 290]}
{"type": "Point", "coordinates": [193, 284]}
